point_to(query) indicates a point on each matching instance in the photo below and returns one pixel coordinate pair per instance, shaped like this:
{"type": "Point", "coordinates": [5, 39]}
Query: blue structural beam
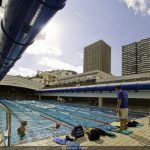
{"type": "Point", "coordinates": [98, 88]}
{"type": "Point", "coordinates": [22, 21]}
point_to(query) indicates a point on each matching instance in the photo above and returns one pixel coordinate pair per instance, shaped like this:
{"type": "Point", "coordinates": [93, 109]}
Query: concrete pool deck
{"type": "Point", "coordinates": [140, 139]}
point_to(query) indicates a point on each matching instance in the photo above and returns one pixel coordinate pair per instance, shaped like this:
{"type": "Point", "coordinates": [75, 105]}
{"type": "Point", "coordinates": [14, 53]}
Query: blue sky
{"type": "Point", "coordinates": [61, 43]}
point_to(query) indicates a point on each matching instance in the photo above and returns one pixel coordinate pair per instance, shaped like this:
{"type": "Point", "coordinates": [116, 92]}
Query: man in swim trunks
{"type": "Point", "coordinates": [122, 107]}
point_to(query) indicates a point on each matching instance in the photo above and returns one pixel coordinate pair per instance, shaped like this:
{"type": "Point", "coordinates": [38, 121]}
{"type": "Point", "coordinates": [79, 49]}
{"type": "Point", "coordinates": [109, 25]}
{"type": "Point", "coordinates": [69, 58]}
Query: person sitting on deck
{"type": "Point", "coordinates": [21, 130]}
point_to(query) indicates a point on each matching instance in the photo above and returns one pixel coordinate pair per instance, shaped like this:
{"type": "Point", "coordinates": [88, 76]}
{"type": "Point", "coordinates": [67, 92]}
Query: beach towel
{"type": "Point", "coordinates": [59, 141]}
{"type": "Point", "coordinates": [105, 130]}
{"type": "Point", "coordinates": [126, 132]}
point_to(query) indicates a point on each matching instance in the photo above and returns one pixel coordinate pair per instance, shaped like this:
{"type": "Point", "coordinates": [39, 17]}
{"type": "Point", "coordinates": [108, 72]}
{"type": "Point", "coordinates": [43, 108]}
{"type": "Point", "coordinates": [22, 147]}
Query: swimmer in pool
{"type": "Point", "coordinates": [21, 130]}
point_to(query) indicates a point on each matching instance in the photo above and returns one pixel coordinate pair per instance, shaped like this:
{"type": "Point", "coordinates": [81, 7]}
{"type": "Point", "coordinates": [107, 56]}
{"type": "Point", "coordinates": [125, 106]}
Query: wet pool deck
{"type": "Point", "coordinates": [140, 139]}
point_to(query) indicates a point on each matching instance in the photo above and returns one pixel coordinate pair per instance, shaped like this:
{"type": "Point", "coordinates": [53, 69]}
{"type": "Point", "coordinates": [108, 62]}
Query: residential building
{"type": "Point", "coordinates": [136, 57]}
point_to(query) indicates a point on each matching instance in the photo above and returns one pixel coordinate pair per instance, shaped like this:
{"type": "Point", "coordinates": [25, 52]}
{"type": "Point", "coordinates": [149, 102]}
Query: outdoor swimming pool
{"type": "Point", "coordinates": [41, 115]}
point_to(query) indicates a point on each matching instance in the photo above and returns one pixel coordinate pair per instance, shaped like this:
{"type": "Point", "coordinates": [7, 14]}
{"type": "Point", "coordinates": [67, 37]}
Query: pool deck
{"type": "Point", "coordinates": [140, 139]}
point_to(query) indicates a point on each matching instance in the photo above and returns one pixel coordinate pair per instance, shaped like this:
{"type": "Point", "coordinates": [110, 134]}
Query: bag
{"type": "Point", "coordinates": [132, 124]}
{"type": "Point", "coordinates": [94, 134]}
{"type": "Point", "coordinates": [77, 132]}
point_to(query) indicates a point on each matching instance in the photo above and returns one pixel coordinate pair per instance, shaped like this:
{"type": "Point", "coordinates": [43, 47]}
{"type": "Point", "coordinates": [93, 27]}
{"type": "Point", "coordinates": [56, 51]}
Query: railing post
{"type": "Point", "coordinates": [8, 123]}
{"type": "Point", "coordinates": [9, 129]}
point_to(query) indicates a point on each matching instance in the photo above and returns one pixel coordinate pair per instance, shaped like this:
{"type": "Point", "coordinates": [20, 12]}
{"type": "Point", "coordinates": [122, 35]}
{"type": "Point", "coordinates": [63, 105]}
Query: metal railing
{"type": "Point", "coordinates": [7, 133]}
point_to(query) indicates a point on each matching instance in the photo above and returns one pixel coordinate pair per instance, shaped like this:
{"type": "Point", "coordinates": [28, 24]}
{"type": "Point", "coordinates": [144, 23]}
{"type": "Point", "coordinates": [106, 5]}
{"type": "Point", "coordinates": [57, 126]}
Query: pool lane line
{"type": "Point", "coordinates": [91, 119]}
{"type": "Point", "coordinates": [49, 116]}
{"type": "Point", "coordinates": [66, 121]}
{"type": "Point", "coordinates": [94, 114]}
{"type": "Point", "coordinates": [84, 118]}
{"type": "Point", "coordinates": [75, 116]}
{"type": "Point", "coordinates": [97, 109]}
{"type": "Point", "coordinates": [113, 111]}
{"type": "Point", "coordinates": [55, 121]}
{"type": "Point", "coordinates": [134, 113]}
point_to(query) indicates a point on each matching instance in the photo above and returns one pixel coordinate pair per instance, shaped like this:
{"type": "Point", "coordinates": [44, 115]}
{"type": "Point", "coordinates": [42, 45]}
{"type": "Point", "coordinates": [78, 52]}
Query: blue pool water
{"type": "Point", "coordinates": [41, 115]}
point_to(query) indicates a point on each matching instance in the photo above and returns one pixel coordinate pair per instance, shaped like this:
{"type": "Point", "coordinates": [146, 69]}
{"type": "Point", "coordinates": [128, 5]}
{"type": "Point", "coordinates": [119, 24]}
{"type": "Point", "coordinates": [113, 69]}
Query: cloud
{"type": "Point", "coordinates": [43, 47]}
{"type": "Point", "coordinates": [47, 42]}
{"type": "Point", "coordinates": [57, 64]}
{"type": "Point", "coordinates": [138, 6]}
{"type": "Point", "coordinates": [80, 15]}
{"type": "Point", "coordinates": [22, 71]}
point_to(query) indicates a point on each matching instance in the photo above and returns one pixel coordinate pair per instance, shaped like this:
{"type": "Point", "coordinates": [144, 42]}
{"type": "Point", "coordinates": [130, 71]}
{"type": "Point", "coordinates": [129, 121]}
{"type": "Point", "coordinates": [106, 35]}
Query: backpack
{"type": "Point", "coordinates": [77, 132]}
{"type": "Point", "coordinates": [94, 134]}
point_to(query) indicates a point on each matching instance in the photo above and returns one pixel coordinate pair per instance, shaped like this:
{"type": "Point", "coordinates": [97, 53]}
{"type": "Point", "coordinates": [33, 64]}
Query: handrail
{"type": "Point", "coordinates": [8, 121]}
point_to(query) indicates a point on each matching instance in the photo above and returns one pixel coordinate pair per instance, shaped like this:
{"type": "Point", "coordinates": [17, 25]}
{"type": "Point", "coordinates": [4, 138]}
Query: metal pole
{"type": "Point", "coordinates": [9, 129]}
{"type": "Point", "coordinates": [8, 121]}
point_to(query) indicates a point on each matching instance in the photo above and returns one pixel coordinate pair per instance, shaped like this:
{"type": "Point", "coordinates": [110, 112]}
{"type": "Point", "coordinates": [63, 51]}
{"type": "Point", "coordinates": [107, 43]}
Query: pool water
{"type": "Point", "coordinates": [41, 115]}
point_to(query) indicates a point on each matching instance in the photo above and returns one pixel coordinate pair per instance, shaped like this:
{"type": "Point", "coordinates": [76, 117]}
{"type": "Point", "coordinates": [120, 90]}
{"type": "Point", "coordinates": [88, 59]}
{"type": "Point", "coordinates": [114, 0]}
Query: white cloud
{"type": "Point", "coordinates": [43, 47]}
{"type": "Point", "coordinates": [138, 6]}
{"type": "Point", "coordinates": [22, 71]}
{"type": "Point", "coordinates": [57, 64]}
{"type": "Point", "coordinates": [47, 42]}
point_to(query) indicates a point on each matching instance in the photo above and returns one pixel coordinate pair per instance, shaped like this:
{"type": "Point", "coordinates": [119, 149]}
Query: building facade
{"type": "Point", "coordinates": [136, 57]}
{"type": "Point", "coordinates": [97, 56]}
{"type": "Point", "coordinates": [129, 59]}
{"type": "Point", "coordinates": [47, 77]}
{"type": "Point", "coordinates": [144, 56]}
{"type": "Point", "coordinates": [87, 78]}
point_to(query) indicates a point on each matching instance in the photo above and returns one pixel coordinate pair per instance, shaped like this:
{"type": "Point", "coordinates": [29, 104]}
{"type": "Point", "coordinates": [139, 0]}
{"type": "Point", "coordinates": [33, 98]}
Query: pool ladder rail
{"type": "Point", "coordinates": [6, 135]}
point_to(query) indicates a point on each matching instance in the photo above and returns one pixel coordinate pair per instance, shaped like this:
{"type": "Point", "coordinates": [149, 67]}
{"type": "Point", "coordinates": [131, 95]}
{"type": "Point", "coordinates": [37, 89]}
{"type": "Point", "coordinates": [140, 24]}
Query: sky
{"type": "Point", "coordinates": [61, 43]}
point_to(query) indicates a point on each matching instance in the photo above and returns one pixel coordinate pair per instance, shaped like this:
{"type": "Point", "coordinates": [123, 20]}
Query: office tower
{"type": "Point", "coordinates": [97, 56]}
{"type": "Point", "coordinates": [136, 57]}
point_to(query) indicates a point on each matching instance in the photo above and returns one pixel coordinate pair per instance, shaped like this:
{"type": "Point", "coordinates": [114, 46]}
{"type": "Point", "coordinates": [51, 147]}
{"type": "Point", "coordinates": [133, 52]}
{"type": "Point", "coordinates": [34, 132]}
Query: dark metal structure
{"type": "Point", "coordinates": [22, 21]}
